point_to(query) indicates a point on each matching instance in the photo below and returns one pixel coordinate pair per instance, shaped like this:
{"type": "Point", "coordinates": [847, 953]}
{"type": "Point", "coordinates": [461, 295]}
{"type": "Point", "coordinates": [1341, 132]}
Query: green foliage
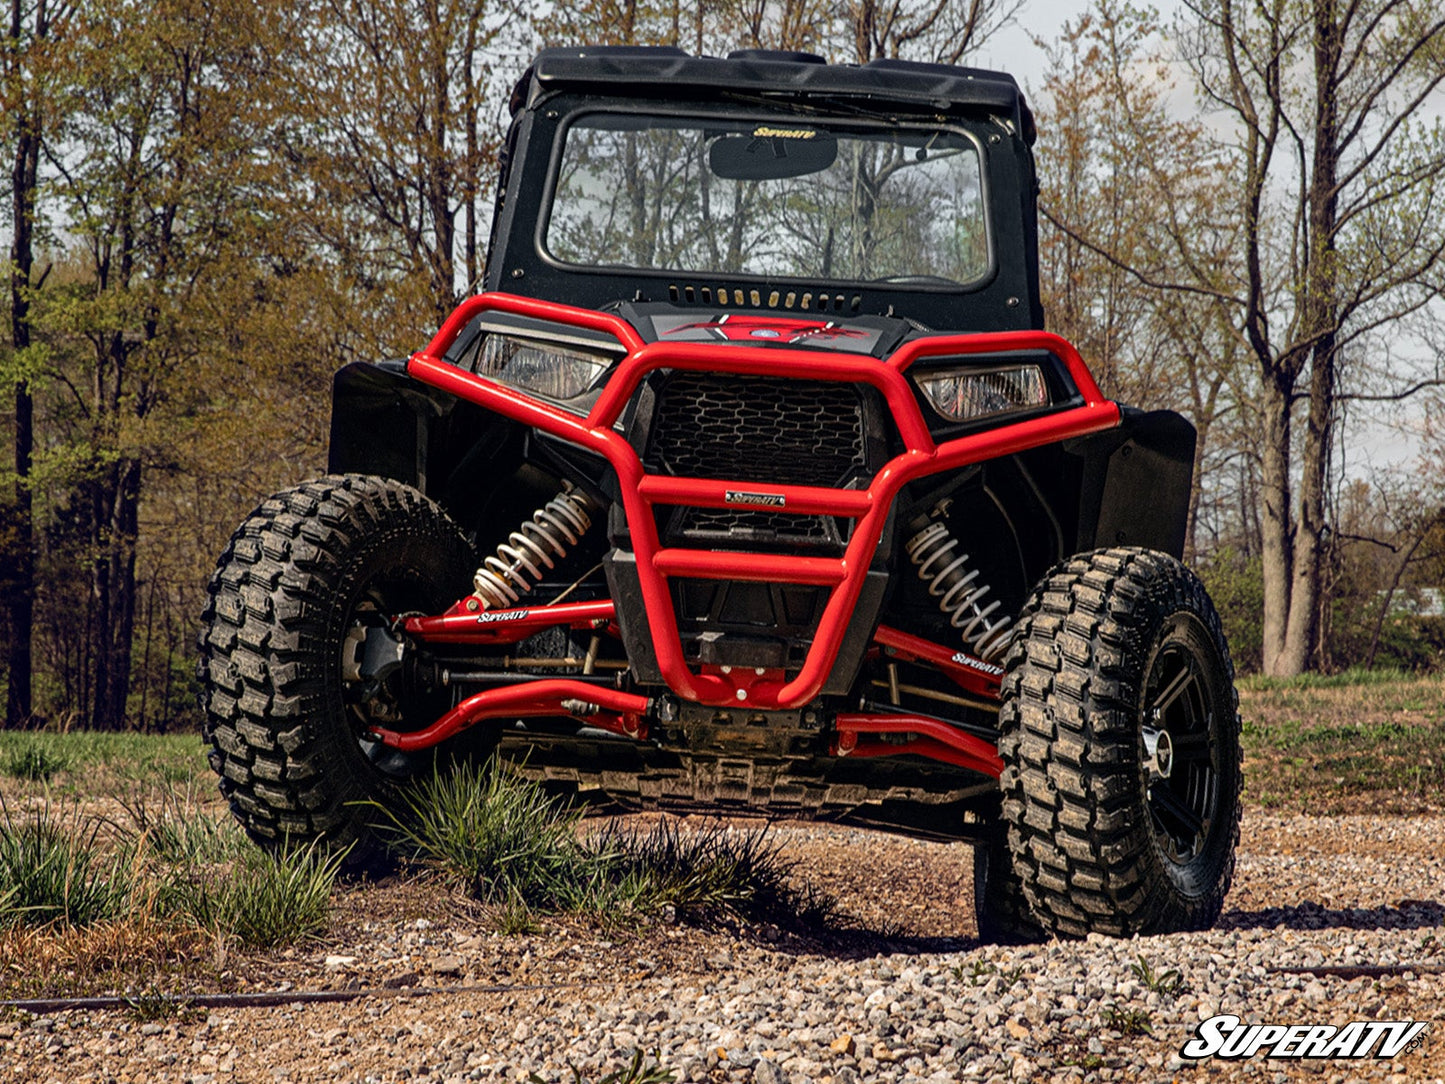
{"type": "Point", "coordinates": [515, 919]}
{"type": "Point", "coordinates": [1128, 1021]}
{"type": "Point", "coordinates": [153, 1005]}
{"type": "Point", "coordinates": [264, 900]}
{"type": "Point", "coordinates": [499, 836]}
{"type": "Point", "coordinates": [701, 872]}
{"type": "Point", "coordinates": [92, 759]}
{"type": "Point", "coordinates": [506, 842]}
{"type": "Point", "coordinates": [1354, 677]}
{"type": "Point", "coordinates": [1168, 982]}
{"type": "Point", "coordinates": [34, 762]}
{"type": "Point", "coordinates": [1407, 641]}
{"type": "Point", "coordinates": [51, 875]}
{"type": "Point", "coordinates": [171, 826]}
{"type": "Point", "coordinates": [637, 1071]}
{"type": "Point", "coordinates": [168, 860]}
{"type": "Point", "coordinates": [1361, 740]}
{"type": "Point", "coordinates": [1236, 584]}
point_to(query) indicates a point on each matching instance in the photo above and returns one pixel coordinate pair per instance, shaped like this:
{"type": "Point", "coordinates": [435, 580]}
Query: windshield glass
{"type": "Point", "coordinates": [771, 198]}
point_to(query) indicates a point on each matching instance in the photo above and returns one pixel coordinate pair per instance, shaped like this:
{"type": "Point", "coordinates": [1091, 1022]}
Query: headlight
{"type": "Point", "coordinates": [961, 395]}
{"type": "Point", "coordinates": [539, 367]}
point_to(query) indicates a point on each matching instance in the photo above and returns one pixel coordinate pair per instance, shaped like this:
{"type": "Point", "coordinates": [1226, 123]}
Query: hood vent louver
{"type": "Point", "coordinates": [823, 301]}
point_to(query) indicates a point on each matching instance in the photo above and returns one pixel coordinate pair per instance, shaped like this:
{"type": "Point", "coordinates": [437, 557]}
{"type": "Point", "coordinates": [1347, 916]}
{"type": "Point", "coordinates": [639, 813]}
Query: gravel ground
{"type": "Point", "coordinates": [902, 996]}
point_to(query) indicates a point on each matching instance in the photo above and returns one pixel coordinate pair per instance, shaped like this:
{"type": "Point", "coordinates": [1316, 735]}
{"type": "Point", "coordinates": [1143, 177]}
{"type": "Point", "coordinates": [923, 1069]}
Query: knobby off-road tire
{"type": "Point", "coordinates": [1120, 738]}
{"type": "Point", "coordinates": [306, 567]}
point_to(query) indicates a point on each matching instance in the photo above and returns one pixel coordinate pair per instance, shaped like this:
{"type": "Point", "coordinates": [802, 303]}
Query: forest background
{"type": "Point", "coordinates": [211, 205]}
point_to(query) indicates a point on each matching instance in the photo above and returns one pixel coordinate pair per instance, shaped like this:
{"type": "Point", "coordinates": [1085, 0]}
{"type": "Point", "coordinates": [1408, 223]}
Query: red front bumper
{"type": "Point", "coordinates": [869, 507]}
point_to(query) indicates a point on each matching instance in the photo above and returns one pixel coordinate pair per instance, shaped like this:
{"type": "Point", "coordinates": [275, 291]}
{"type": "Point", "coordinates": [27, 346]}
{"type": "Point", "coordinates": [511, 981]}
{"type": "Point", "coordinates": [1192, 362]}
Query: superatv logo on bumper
{"type": "Point", "coordinates": [1228, 1036]}
{"type": "Point", "coordinates": [769, 500]}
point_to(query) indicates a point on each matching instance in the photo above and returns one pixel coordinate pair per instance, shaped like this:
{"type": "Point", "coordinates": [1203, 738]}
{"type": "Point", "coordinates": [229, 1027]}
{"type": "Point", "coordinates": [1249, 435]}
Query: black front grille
{"type": "Point", "coordinates": [758, 429]}
{"type": "Point", "coordinates": [723, 525]}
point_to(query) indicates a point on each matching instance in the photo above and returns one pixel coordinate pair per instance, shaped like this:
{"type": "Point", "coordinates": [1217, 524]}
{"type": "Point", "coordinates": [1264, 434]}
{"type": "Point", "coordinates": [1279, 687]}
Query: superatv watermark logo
{"type": "Point", "coordinates": [1230, 1037]}
{"type": "Point", "coordinates": [978, 664]}
{"type": "Point", "coordinates": [489, 617]}
{"type": "Point", "coordinates": [784, 133]}
{"type": "Point", "coordinates": [771, 500]}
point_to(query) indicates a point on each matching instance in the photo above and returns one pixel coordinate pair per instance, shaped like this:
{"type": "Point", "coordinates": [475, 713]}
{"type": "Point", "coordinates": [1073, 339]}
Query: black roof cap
{"type": "Point", "coordinates": [776, 54]}
{"type": "Point", "coordinates": [642, 68]}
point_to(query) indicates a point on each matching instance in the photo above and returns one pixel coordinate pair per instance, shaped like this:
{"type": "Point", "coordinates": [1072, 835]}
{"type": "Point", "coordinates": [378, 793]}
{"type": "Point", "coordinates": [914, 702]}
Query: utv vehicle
{"type": "Point", "coordinates": [785, 503]}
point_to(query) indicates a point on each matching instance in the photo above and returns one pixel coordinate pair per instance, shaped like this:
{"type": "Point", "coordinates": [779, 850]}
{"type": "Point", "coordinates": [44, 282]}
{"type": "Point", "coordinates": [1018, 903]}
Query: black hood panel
{"type": "Point", "coordinates": [877, 336]}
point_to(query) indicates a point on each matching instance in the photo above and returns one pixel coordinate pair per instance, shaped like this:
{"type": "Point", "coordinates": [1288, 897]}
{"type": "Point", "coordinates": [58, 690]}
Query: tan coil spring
{"type": "Point", "coordinates": [542, 541]}
{"type": "Point", "coordinates": [959, 594]}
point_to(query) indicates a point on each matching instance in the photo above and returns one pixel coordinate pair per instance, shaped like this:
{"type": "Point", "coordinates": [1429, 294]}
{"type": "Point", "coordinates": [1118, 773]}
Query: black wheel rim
{"type": "Point", "coordinates": [1180, 747]}
{"type": "Point", "coordinates": [397, 705]}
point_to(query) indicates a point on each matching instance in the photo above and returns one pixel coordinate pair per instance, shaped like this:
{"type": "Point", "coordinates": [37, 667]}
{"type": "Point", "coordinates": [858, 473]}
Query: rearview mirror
{"type": "Point", "coordinates": [768, 154]}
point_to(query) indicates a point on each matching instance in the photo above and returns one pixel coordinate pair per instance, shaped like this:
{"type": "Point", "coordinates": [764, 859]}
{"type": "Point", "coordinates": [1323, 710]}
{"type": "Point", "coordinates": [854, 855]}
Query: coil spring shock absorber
{"type": "Point", "coordinates": [537, 544]}
{"type": "Point", "coordinates": [934, 550]}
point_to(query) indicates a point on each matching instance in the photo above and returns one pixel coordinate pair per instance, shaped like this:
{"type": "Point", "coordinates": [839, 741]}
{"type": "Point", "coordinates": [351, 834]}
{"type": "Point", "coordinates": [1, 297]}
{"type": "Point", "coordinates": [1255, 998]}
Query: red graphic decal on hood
{"type": "Point", "coordinates": [765, 329]}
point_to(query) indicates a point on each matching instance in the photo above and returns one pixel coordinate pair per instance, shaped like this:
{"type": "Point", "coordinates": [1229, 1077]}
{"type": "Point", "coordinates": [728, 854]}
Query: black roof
{"type": "Point", "coordinates": [665, 69]}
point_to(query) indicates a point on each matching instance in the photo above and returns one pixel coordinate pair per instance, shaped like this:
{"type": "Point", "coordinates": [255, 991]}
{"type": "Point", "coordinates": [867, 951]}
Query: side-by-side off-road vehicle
{"type": "Point", "coordinates": [751, 482]}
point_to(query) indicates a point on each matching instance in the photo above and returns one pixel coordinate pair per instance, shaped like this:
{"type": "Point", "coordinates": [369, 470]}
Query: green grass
{"type": "Point", "coordinates": [507, 843]}
{"type": "Point", "coordinates": [637, 1071]}
{"type": "Point", "coordinates": [698, 872]}
{"type": "Point", "coordinates": [1168, 982]}
{"type": "Point", "coordinates": [168, 862]}
{"type": "Point", "coordinates": [34, 763]}
{"type": "Point", "coordinates": [172, 824]}
{"type": "Point", "coordinates": [58, 871]}
{"type": "Point", "coordinates": [1355, 677]}
{"type": "Point", "coordinates": [1363, 741]}
{"type": "Point", "coordinates": [89, 763]}
{"type": "Point", "coordinates": [264, 900]}
{"type": "Point", "coordinates": [501, 838]}
{"type": "Point", "coordinates": [55, 874]}
{"type": "Point", "coordinates": [1128, 1021]}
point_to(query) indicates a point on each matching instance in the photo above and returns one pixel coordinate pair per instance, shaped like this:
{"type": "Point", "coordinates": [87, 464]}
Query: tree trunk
{"type": "Point", "coordinates": [1318, 325]}
{"type": "Point", "coordinates": [117, 516]}
{"type": "Point", "coordinates": [1277, 565]}
{"type": "Point", "coordinates": [18, 578]}
{"type": "Point", "coordinates": [1196, 494]}
{"type": "Point", "coordinates": [1302, 631]}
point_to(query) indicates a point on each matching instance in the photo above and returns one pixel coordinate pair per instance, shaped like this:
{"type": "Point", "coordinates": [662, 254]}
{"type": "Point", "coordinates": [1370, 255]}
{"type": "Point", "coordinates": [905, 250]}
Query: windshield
{"type": "Point", "coordinates": [773, 198]}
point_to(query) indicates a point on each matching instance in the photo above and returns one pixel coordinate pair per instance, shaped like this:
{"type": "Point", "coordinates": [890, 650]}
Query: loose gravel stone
{"type": "Point", "coordinates": [904, 996]}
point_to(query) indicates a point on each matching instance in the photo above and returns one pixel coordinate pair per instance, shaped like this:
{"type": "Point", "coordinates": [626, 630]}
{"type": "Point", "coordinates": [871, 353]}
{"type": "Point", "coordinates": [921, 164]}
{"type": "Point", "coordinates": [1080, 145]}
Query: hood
{"type": "Point", "coordinates": [874, 335]}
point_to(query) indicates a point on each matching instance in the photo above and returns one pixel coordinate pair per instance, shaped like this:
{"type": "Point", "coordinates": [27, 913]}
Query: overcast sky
{"type": "Point", "coordinates": [1013, 50]}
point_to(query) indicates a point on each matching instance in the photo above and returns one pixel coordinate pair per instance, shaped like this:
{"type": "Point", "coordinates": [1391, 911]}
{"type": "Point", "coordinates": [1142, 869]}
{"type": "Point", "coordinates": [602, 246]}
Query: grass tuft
{"type": "Point", "coordinates": [35, 763]}
{"type": "Point", "coordinates": [507, 843]}
{"type": "Point", "coordinates": [515, 919]}
{"type": "Point", "coordinates": [1128, 1021]}
{"type": "Point", "coordinates": [263, 900]}
{"type": "Point", "coordinates": [503, 838]}
{"type": "Point", "coordinates": [50, 876]}
{"type": "Point", "coordinates": [172, 826]}
{"type": "Point", "coordinates": [637, 1071]}
{"type": "Point", "coordinates": [700, 873]}
{"type": "Point", "coordinates": [1168, 982]}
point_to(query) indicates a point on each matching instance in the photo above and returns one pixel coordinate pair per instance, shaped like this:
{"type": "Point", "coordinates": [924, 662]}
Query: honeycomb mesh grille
{"type": "Point", "coordinates": [762, 526]}
{"type": "Point", "coordinates": [758, 429]}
